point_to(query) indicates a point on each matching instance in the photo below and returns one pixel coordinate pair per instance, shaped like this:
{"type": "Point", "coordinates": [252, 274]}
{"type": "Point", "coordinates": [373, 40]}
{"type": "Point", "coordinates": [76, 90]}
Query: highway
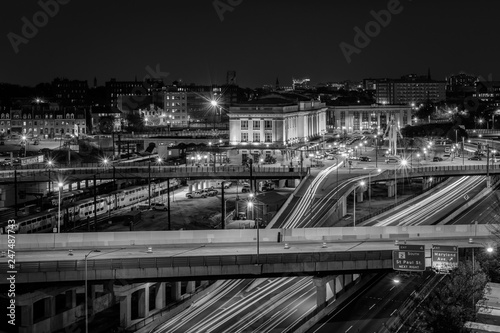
{"type": "Point", "coordinates": [432, 206]}
{"type": "Point", "coordinates": [310, 205]}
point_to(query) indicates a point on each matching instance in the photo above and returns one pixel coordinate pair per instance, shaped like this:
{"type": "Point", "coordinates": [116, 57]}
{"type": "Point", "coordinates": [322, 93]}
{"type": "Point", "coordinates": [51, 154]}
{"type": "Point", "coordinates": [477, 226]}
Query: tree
{"type": "Point", "coordinates": [106, 124]}
{"type": "Point", "coordinates": [452, 303]}
{"type": "Point", "coordinates": [135, 122]}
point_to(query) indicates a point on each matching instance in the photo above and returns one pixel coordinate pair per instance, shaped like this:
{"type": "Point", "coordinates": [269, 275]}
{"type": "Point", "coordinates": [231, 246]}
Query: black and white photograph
{"type": "Point", "coordinates": [249, 166]}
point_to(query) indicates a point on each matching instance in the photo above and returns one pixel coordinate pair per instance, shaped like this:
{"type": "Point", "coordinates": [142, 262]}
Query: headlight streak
{"type": "Point", "coordinates": [415, 215]}
{"type": "Point", "coordinates": [227, 314]}
{"type": "Point", "coordinates": [251, 318]}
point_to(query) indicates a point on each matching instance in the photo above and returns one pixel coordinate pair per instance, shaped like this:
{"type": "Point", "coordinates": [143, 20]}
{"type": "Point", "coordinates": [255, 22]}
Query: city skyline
{"type": "Point", "coordinates": [261, 41]}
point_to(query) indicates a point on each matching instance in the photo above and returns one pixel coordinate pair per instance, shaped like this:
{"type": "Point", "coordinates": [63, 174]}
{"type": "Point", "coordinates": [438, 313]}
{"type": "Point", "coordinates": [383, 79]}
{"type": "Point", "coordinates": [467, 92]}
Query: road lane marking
{"type": "Point", "coordinates": [394, 311]}
{"type": "Point", "coordinates": [392, 288]}
{"type": "Point", "coordinates": [349, 329]}
{"type": "Point", "coordinates": [371, 307]}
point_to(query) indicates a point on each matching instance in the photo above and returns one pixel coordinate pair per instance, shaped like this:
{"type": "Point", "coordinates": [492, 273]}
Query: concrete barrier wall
{"type": "Point", "coordinates": [145, 238]}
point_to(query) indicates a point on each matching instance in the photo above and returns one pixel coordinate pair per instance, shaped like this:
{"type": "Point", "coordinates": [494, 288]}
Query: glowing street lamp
{"type": "Point", "coordinates": [214, 104]}
{"type": "Point", "coordinates": [403, 163]}
{"type": "Point", "coordinates": [361, 184]}
{"type": "Point", "coordinates": [60, 186]}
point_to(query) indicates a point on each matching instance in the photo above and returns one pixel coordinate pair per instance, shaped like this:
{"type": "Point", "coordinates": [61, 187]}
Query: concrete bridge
{"type": "Point", "coordinates": [220, 254]}
{"type": "Point", "coordinates": [142, 270]}
{"type": "Point", "coordinates": [228, 172]}
{"type": "Point", "coordinates": [142, 171]}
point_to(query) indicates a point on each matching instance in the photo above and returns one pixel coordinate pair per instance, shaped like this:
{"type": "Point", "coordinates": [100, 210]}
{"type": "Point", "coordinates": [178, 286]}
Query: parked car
{"type": "Point", "coordinates": [365, 159]}
{"type": "Point", "coordinates": [245, 189]}
{"type": "Point", "coordinates": [391, 160]}
{"type": "Point", "coordinates": [475, 158]}
{"type": "Point", "coordinates": [437, 159]}
{"type": "Point", "coordinates": [196, 194]}
{"type": "Point", "coordinates": [210, 192]}
{"type": "Point", "coordinates": [158, 206]}
{"type": "Point", "coordinates": [269, 186]}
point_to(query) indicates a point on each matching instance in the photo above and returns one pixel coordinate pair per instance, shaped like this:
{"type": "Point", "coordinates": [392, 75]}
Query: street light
{"type": "Point", "coordinates": [86, 296]}
{"type": "Point", "coordinates": [369, 187]}
{"type": "Point", "coordinates": [403, 163]}
{"type": "Point", "coordinates": [214, 104]}
{"type": "Point", "coordinates": [361, 183]}
{"type": "Point", "coordinates": [59, 189]}
{"type": "Point", "coordinates": [250, 205]}
{"type": "Point", "coordinates": [50, 164]}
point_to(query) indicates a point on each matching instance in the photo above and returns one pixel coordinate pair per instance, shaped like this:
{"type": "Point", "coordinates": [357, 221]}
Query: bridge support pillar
{"type": "Point", "coordinates": [325, 289]}
{"type": "Point", "coordinates": [125, 310]}
{"type": "Point", "coordinates": [160, 295]}
{"type": "Point", "coordinates": [342, 206]}
{"type": "Point", "coordinates": [143, 302]}
{"type": "Point", "coordinates": [78, 185]}
{"type": "Point", "coordinates": [359, 196]}
{"type": "Point", "coordinates": [49, 307]}
{"type": "Point", "coordinates": [70, 187]}
{"type": "Point", "coordinates": [26, 315]}
{"type": "Point", "coordinates": [190, 287]}
{"type": "Point", "coordinates": [86, 183]}
{"type": "Point", "coordinates": [391, 185]}
{"type": "Point", "coordinates": [175, 291]}
{"type": "Point", "coordinates": [71, 298]}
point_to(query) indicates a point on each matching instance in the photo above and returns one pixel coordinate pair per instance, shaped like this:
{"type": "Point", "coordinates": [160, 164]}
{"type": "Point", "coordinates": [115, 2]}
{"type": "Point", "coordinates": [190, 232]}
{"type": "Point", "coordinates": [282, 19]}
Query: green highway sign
{"type": "Point", "coordinates": [404, 247]}
{"type": "Point", "coordinates": [408, 260]}
{"type": "Point", "coordinates": [444, 258]}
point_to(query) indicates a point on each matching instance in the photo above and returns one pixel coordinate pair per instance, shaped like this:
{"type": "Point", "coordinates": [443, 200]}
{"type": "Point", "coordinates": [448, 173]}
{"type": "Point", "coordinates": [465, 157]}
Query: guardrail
{"type": "Point", "coordinates": [145, 168]}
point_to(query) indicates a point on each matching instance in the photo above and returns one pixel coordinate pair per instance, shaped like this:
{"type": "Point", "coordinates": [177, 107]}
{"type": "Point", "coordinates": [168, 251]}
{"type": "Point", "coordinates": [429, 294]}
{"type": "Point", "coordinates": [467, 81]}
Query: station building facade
{"type": "Point", "coordinates": [366, 118]}
{"type": "Point", "coordinates": [273, 123]}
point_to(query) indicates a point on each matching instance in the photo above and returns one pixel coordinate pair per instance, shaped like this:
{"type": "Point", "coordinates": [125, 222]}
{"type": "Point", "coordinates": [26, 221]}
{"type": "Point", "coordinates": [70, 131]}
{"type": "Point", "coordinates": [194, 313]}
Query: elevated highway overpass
{"type": "Point", "coordinates": [222, 254]}
{"type": "Point", "coordinates": [228, 172]}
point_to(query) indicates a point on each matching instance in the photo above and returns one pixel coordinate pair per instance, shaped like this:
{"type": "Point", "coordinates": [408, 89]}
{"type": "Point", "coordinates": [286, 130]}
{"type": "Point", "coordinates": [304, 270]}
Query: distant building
{"type": "Point", "coordinates": [370, 118]}
{"type": "Point", "coordinates": [70, 92]}
{"type": "Point", "coordinates": [183, 105]}
{"type": "Point", "coordinates": [131, 88]}
{"type": "Point", "coordinates": [461, 83]}
{"type": "Point", "coordinates": [370, 84]}
{"type": "Point", "coordinates": [301, 84]}
{"type": "Point", "coordinates": [410, 89]}
{"type": "Point", "coordinates": [488, 91]}
{"type": "Point", "coordinates": [113, 125]}
{"type": "Point", "coordinates": [41, 118]}
{"type": "Point", "coordinates": [267, 125]}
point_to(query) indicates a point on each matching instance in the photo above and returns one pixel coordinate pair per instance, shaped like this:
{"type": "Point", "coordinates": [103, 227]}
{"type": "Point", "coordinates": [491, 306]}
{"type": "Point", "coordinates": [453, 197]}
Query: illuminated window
{"type": "Point", "coordinates": [244, 137]}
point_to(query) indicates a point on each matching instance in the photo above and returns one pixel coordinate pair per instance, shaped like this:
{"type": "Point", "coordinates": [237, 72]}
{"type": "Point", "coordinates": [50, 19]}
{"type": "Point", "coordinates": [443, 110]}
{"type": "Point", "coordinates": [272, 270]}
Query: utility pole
{"type": "Point", "coordinates": [223, 210]}
{"type": "Point", "coordinates": [15, 191]}
{"type": "Point", "coordinates": [168, 204]}
{"type": "Point", "coordinates": [251, 176]}
{"type": "Point", "coordinates": [487, 165]}
{"type": "Point", "coordinates": [95, 203]}
{"type": "Point", "coordinates": [149, 183]}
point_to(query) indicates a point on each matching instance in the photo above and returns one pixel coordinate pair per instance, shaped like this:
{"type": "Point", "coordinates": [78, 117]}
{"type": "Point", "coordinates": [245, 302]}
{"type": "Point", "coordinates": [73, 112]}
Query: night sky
{"type": "Point", "coordinates": [259, 39]}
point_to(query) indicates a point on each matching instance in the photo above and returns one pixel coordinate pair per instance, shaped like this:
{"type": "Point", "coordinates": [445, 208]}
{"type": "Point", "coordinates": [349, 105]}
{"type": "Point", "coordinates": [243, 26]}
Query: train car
{"type": "Point", "coordinates": [41, 222]}
{"type": "Point", "coordinates": [76, 213]}
{"type": "Point", "coordinates": [67, 197]}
